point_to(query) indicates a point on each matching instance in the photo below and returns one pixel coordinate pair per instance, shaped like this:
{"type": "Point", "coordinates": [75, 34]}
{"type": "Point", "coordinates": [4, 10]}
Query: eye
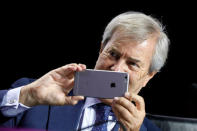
{"type": "Point", "coordinates": [114, 54]}
{"type": "Point", "coordinates": [131, 63]}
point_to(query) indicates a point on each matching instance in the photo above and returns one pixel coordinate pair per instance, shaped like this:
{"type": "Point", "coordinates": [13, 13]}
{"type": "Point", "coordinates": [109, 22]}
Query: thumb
{"type": "Point", "coordinates": [73, 100]}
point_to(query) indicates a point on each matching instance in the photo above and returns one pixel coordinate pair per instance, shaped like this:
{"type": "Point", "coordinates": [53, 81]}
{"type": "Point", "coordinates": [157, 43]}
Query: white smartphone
{"type": "Point", "coordinates": [100, 83]}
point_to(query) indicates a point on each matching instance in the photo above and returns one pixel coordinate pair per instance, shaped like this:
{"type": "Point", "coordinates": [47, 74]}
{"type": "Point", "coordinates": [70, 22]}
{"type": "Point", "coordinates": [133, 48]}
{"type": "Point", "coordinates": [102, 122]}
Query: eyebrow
{"type": "Point", "coordinates": [115, 49]}
{"type": "Point", "coordinates": [134, 60]}
{"type": "Point", "coordinates": [130, 58]}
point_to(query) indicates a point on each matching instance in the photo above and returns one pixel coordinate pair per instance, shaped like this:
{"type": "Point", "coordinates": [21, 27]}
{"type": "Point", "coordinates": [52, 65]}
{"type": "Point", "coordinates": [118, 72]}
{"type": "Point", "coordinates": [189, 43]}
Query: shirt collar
{"type": "Point", "coordinates": [90, 101]}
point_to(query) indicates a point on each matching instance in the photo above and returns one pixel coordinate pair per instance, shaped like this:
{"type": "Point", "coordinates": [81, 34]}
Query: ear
{"type": "Point", "coordinates": [101, 48]}
{"type": "Point", "coordinates": [148, 77]}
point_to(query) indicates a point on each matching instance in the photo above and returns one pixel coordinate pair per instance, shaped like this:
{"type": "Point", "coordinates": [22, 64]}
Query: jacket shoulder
{"type": "Point", "coordinates": [22, 82]}
{"type": "Point", "coordinates": [149, 125]}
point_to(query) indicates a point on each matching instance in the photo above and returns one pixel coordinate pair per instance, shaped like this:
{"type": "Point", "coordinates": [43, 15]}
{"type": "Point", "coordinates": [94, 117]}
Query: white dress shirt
{"type": "Point", "coordinates": [89, 116]}
{"type": "Point", "coordinates": [10, 105]}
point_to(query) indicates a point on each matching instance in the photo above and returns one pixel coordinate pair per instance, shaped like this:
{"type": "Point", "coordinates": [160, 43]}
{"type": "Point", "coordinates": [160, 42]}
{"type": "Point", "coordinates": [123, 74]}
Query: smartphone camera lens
{"type": "Point", "coordinates": [113, 85]}
{"type": "Point", "coordinates": [125, 77]}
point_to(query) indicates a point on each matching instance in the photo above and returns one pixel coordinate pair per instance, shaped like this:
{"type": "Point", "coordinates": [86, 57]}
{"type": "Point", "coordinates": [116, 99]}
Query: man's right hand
{"type": "Point", "coordinates": [52, 88]}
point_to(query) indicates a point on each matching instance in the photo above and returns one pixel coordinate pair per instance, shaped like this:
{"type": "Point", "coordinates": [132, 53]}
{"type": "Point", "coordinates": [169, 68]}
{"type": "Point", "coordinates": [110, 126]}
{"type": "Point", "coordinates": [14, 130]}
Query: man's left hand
{"type": "Point", "coordinates": [129, 114]}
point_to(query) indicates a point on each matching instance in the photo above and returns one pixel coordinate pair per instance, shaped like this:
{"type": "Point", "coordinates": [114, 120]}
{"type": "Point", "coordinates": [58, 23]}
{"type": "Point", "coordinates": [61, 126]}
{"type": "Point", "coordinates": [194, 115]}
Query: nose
{"type": "Point", "coordinates": [118, 66]}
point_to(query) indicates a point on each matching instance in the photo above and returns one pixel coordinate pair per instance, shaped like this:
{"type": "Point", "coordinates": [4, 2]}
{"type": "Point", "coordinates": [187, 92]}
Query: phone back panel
{"type": "Point", "coordinates": [100, 83]}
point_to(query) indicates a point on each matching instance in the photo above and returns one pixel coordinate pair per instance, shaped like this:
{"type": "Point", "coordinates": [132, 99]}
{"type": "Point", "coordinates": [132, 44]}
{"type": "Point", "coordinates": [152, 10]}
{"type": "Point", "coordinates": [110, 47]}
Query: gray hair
{"type": "Point", "coordinates": [140, 27]}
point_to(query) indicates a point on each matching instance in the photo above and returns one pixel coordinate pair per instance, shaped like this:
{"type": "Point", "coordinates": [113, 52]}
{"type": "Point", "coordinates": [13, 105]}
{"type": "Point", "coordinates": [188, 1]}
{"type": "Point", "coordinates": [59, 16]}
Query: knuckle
{"type": "Point", "coordinates": [122, 111]}
{"type": "Point", "coordinates": [141, 98]}
{"type": "Point", "coordinates": [73, 102]}
{"type": "Point", "coordinates": [73, 64]}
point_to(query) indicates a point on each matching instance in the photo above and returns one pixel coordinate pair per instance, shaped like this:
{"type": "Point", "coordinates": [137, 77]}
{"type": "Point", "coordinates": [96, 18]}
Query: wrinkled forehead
{"type": "Point", "coordinates": [146, 47]}
{"type": "Point", "coordinates": [125, 44]}
{"type": "Point", "coordinates": [122, 36]}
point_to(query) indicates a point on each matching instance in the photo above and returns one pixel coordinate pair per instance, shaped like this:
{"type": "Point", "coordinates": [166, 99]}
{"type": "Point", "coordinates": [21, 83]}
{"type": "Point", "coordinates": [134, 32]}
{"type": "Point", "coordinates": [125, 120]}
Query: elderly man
{"type": "Point", "coordinates": [132, 42]}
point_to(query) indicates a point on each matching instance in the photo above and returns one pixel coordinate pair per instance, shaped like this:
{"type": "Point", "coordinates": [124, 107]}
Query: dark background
{"type": "Point", "coordinates": [39, 37]}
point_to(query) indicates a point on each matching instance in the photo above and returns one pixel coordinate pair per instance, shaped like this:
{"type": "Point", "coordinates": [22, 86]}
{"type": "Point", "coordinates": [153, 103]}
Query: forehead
{"type": "Point", "coordinates": [125, 45]}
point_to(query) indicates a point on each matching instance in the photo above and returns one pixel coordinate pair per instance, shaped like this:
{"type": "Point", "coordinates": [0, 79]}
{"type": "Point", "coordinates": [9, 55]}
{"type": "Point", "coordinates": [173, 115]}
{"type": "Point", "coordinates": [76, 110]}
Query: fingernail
{"type": "Point", "coordinates": [127, 94]}
{"type": "Point", "coordinates": [116, 98]}
{"type": "Point", "coordinates": [84, 67]}
{"type": "Point", "coordinates": [82, 97]}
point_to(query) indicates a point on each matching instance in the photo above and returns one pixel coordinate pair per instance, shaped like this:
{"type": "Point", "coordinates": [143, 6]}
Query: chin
{"type": "Point", "coordinates": [107, 101]}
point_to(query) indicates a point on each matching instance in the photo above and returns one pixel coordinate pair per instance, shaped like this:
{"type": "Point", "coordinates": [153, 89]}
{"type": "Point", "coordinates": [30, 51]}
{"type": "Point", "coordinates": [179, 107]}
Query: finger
{"type": "Point", "coordinates": [116, 112]}
{"type": "Point", "coordinates": [121, 112]}
{"type": "Point", "coordinates": [124, 125]}
{"type": "Point", "coordinates": [67, 69]}
{"type": "Point", "coordinates": [139, 101]}
{"type": "Point", "coordinates": [128, 96]}
{"type": "Point", "coordinates": [73, 100]}
{"type": "Point", "coordinates": [69, 72]}
{"type": "Point", "coordinates": [126, 104]}
{"type": "Point", "coordinates": [78, 98]}
{"type": "Point", "coordinates": [79, 67]}
{"type": "Point", "coordinates": [118, 116]}
{"type": "Point", "coordinates": [83, 66]}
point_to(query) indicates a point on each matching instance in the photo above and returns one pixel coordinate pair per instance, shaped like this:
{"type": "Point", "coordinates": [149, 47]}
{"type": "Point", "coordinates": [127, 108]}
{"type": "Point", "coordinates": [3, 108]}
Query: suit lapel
{"type": "Point", "coordinates": [117, 126]}
{"type": "Point", "coordinates": [65, 117]}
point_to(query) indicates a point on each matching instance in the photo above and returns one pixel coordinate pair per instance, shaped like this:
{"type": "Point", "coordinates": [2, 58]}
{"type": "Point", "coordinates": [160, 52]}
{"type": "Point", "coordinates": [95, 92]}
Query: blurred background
{"type": "Point", "coordinates": [39, 37]}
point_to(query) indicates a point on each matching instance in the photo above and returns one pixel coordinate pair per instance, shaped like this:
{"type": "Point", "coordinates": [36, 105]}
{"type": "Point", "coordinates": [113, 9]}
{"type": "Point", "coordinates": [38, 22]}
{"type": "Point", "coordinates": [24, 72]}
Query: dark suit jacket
{"type": "Point", "coordinates": [57, 118]}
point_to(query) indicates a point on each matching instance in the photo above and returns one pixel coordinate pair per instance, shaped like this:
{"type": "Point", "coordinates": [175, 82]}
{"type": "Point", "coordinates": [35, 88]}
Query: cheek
{"type": "Point", "coordinates": [101, 62]}
{"type": "Point", "coordinates": [135, 82]}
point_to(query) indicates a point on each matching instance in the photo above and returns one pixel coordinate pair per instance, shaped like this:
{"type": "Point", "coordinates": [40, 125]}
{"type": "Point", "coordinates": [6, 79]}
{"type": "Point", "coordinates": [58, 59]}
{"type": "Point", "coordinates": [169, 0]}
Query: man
{"type": "Point", "coordinates": [132, 42]}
